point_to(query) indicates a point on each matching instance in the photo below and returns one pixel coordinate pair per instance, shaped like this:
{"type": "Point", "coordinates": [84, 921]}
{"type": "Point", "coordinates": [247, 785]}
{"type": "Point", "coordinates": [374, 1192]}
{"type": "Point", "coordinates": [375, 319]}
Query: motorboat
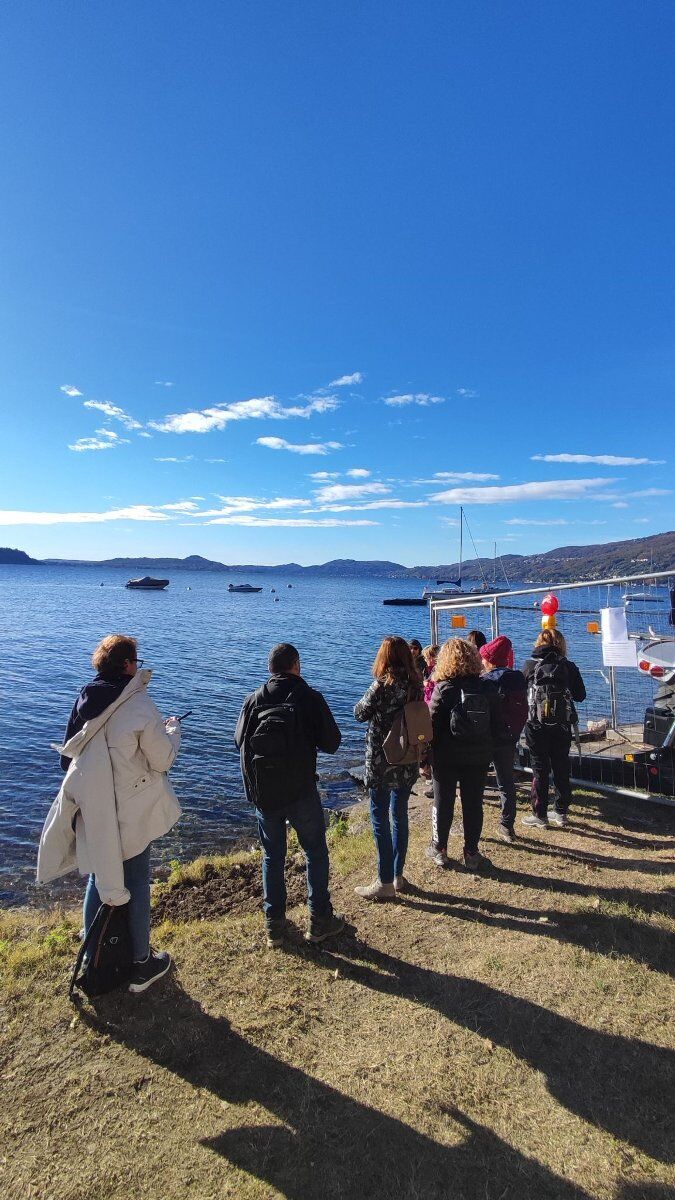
{"type": "Point", "coordinates": [246, 588]}
{"type": "Point", "coordinates": [147, 584]}
{"type": "Point", "coordinates": [643, 597]}
{"type": "Point", "coordinates": [408, 601]}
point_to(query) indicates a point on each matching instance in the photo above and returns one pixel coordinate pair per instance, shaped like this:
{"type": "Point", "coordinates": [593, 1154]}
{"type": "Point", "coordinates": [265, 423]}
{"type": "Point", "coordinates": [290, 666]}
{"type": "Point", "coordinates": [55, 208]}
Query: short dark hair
{"type": "Point", "coordinates": [282, 658]}
{"type": "Point", "coordinates": [477, 638]}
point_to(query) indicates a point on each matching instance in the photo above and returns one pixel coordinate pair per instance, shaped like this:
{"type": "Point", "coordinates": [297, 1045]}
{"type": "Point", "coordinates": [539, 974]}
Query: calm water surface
{"type": "Point", "coordinates": [207, 649]}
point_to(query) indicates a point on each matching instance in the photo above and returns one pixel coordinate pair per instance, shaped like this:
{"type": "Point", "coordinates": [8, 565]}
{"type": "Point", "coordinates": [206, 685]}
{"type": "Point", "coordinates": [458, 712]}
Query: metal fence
{"type": "Point", "coordinates": [613, 754]}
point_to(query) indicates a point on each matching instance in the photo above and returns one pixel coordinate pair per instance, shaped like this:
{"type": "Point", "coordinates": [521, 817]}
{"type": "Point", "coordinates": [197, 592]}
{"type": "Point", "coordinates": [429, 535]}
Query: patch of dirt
{"type": "Point", "coordinates": [232, 892]}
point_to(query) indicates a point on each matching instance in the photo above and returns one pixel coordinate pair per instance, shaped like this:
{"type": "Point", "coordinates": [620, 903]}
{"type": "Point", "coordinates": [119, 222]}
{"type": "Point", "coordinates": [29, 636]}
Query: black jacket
{"type": "Point", "coordinates": [316, 718]}
{"type": "Point", "coordinates": [575, 683]}
{"type": "Point", "coordinates": [449, 751]}
{"type": "Point", "coordinates": [91, 702]}
{"type": "Point", "coordinates": [506, 680]}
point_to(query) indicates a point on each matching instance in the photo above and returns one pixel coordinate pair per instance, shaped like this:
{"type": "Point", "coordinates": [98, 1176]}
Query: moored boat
{"type": "Point", "coordinates": [242, 587]}
{"type": "Point", "coordinates": [147, 584]}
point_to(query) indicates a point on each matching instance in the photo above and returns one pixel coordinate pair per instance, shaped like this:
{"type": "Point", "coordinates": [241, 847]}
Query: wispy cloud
{"type": "Point", "coordinates": [476, 476]}
{"type": "Point", "coordinates": [136, 512]}
{"type": "Point", "coordinates": [371, 504]}
{"type": "Point", "coordinates": [170, 458]}
{"type": "Point", "coordinates": [527, 521]}
{"type": "Point", "coordinates": [104, 439]}
{"type": "Point", "coordinates": [114, 412]}
{"type": "Point", "coordinates": [69, 390]}
{"type": "Point", "coordinates": [286, 522]}
{"type": "Point", "coordinates": [319, 475]}
{"type": "Point", "coordinates": [349, 491]}
{"type": "Point", "coordinates": [163, 383]}
{"type": "Point", "coordinates": [555, 489]}
{"type": "Point", "coordinates": [347, 380]}
{"type": "Point", "coordinates": [647, 492]}
{"type": "Point", "coordinates": [180, 506]}
{"type": "Point", "coordinates": [277, 443]}
{"type": "Point", "coordinates": [604, 460]}
{"type": "Point", "coordinates": [421, 398]}
{"type": "Point", "coordinates": [220, 415]}
{"type": "Point", "coordinates": [467, 393]}
{"type": "Point", "coordinates": [358, 473]}
{"type": "Point", "coordinates": [231, 505]}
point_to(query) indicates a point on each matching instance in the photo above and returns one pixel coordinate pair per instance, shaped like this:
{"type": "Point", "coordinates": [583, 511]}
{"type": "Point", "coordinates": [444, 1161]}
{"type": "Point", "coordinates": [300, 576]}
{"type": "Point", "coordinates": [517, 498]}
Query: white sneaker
{"type": "Point", "coordinates": [557, 819]}
{"type": "Point", "coordinates": [376, 891]}
{"type": "Point", "coordinates": [534, 822]}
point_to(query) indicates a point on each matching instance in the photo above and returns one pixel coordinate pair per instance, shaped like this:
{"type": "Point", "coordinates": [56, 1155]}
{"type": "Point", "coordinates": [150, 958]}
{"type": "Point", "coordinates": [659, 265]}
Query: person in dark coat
{"type": "Point", "coordinates": [313, 728]}
{"type": "Point", "coordinates": [497, 657]}
{"type": "Point", "coordinates": [396, 681]}
{"type": "Point", "coordinates": [467, 723]}
{"type": "Point", "coordinates": [554, 684]}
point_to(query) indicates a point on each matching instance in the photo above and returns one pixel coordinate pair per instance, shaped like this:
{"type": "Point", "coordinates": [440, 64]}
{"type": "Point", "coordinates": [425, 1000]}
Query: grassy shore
{"type": "Point", "coordinates": [502, 1037]}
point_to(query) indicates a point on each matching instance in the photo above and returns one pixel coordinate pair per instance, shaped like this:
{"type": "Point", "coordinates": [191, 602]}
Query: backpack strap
{"type": "Point", "coordinates": [86, 942]}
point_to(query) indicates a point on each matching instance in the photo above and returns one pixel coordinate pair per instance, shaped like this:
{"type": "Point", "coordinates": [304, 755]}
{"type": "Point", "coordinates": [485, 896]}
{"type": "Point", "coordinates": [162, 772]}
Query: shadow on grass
{"type": "Point", "coordinates": [661, 902]}
{"type": "Point", "coordinates": [616, 1083]}
{"type": "Point", "coordinates": [585, 858]}
{"type": "Point", "coordinates": [329, 1146]}
{"type": "Point", "coordinates": [613, 936]}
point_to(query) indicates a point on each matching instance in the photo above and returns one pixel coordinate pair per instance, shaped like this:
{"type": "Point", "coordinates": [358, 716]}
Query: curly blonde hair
{"type": "Point", "coordinates": [457, 657]}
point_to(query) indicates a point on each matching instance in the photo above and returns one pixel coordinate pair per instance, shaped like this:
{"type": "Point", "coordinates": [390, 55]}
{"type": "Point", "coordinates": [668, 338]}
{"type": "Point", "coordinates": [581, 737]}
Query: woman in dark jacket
{"type": "Point", "coordinates": [554, 683]}
{"type": "Point", "coordinates": [466, 716]}
{"type": "Point", "coordinates": [396, 682]}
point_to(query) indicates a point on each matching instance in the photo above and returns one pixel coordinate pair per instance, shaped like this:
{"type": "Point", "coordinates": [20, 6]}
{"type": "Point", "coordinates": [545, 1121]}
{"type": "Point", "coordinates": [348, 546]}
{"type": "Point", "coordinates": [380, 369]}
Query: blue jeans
{"type": "Point", "coordinates": [306, 818]}
{"type": "Point", "coordinates": [137, 883]}
{"type": "Point", "coordinates": [389, 817]}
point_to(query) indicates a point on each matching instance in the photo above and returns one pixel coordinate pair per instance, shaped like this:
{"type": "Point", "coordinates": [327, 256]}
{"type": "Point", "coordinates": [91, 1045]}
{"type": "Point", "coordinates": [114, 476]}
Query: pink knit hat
{"type": "Point", "coordinates": [499, 652]}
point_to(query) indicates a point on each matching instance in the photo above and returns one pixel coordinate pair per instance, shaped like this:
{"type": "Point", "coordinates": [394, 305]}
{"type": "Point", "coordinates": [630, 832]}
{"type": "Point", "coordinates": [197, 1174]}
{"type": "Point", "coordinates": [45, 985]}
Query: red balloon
{"type": "Point", "coordinates": [549, 605]}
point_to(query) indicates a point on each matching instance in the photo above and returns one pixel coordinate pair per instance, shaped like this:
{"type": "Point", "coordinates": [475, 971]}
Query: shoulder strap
{"type": "Point", "coordinates": [86, 942]}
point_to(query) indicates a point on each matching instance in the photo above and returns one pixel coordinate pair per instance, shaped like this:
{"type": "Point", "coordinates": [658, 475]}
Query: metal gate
{"type": "Point", "coordinates": [622, 746]}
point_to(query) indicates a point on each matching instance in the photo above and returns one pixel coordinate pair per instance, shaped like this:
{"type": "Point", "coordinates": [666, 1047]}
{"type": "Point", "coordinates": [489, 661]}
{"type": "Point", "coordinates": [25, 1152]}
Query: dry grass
{"type": "Point", "coordinates": [504, 1038]}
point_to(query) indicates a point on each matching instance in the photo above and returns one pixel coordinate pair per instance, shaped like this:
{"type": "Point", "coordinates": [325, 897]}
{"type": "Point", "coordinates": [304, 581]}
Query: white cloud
{"type": "Point", "coordinates": [180, 506]}
{"type": "Point", "coordinates": [105, 439]}
{"type": "Point", "coordinates": [114, 412]}
{"type": "Point", "coordinates": [555, 489]}
{"type": "Point", "coordinates": [646, 492]}
{"type": "Point", "coordinates": [467, 393]}
{"type": "Point", "coordinates": [215, 460]}
{"type": "Point", "coordinates": [163, 383]}
{"type": "Point", "coordinates": [276, 443]}
{"type": "Point", "coordinates": [605, 460]}
{"type": "Point", "coordinates": [318, 475]}
{"type": "Point", "coordinates": [373, 504]}
{"type": "Point", "coordinates": [347, 380]}
{"type": "Point", "coordinates": [358, 473]}
{"type": "Point", "coordinates": [142, 433]}
{"type": "Point", "coordinates": [70, 391]}
{"type": "Point", "coordinates": [285, 522]}
{"type": "Point", "coordinates": [526, 521]}
{"type": "Point", "coordinates": [219, 415]}
{"type": "Point", "coordinates": [176, 459]}
{"type": "Point", "coordinates": [136, 512]}
{"type": "Point", "coordinates": [238, 504]}
{"type": "Point", "coordinates": [349, 491]}
{"type": "Point", "coordinates": [642, 520]}
{"type": "Point", "coordinates": [477, 476]}
{"type": "Point", "coordinates": [620, 504]}
{"type": "Point", "coordinates": [421, 398]}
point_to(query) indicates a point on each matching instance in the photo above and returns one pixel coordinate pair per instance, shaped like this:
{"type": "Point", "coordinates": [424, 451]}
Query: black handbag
{"type": "Point", "coordinates": [108, 953]}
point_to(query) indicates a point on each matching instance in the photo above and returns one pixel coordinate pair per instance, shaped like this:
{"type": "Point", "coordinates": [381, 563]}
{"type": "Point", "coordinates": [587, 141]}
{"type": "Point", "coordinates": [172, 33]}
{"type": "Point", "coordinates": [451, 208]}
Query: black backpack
{"type": "Point", "coordinates": [514, 701]}
{"type": "Point", "coordinates": [549, 699]}
{"type": "Point", "coordinates": [280, 754]}
{"type": "Point", "coordinates": [107, 948]}
{"type": "Point", "coordinates": [470, 718]}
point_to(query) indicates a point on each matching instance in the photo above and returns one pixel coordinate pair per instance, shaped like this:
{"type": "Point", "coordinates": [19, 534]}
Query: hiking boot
{"type": "Point", "coordinates": [534, 822]}
{"type": "Point", "coordinates": [376, 891]}
{"type": "Point", "coordinates": [401, 885]}
{"type": "Point", "coordinates": [276, 929]}
{"type": "Point", "coordinates": [321, 928]}
{"type": "Point", "coordinates": [474, 862]}
{"type": "Point", "coordinates": [507, 834]}
{"type": "Point", "coordinates": [558, 819]}
{"type": "Point", "coordinates": [149, 970]}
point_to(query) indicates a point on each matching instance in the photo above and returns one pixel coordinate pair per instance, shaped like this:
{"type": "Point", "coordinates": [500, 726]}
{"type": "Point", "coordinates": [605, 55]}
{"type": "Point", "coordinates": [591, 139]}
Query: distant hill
{"type": "Point", "coordinates": [633, 557]}
{"type": "Point", "coordinates": [16, 558]}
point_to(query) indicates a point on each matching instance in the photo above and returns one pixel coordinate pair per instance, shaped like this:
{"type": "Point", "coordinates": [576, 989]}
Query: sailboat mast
{"type": "Point", "coordinates": [461, 530]}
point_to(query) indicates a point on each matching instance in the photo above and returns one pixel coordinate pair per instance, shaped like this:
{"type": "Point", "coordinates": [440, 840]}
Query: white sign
{"type": "Point", "coordinates": [617, 649]}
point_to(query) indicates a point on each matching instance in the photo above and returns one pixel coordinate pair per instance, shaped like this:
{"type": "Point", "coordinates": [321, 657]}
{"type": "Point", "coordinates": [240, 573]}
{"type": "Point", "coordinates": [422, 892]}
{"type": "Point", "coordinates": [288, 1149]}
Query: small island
{"type": "Point", "coordinates": [16, 558]}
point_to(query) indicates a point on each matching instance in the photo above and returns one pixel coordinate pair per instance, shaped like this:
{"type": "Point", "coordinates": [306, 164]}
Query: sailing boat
{"type": "Point", "coordinates": [456, 589]}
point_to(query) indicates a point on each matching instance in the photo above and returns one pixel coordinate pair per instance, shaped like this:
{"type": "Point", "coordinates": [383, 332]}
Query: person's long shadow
{"type": "Point", "coordinates": [330, 1147]}
{"type": "Point", "coordinates": [613, 935]}
{"type": "Point", "coordinates": [616, 1083]}
{"type": "Point", "coordinates": [584, 858]}
{"type": "Point", "coordinates": [661, 902]}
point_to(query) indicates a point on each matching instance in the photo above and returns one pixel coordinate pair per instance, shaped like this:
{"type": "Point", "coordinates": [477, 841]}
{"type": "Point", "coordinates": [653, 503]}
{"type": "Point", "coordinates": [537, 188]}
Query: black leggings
{"type": "Point", "coordinates": [471, 782]}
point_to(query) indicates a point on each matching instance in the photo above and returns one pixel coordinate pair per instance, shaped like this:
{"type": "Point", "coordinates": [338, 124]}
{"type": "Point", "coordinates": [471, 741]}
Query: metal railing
{"type": "Point", "coordinates": [619, 696]}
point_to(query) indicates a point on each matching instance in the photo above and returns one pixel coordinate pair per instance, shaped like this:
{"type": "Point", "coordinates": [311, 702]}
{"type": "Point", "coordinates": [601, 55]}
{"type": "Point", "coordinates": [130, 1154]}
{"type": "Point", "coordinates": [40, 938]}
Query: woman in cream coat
{"type": "Point", "coordinates": [116, 797]}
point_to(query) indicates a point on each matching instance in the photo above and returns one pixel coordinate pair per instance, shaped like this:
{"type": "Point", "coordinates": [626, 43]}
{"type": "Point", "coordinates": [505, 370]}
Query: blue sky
{"type": "Point", "coordinates": [292, 281]}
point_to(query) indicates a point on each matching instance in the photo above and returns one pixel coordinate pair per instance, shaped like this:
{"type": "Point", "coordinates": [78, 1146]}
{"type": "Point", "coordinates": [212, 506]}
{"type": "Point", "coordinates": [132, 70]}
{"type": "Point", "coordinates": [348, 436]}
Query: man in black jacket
{"type": "Point", "coordinates": [554, 683]}
{"type": "Point", "coordinates": [280, 728]}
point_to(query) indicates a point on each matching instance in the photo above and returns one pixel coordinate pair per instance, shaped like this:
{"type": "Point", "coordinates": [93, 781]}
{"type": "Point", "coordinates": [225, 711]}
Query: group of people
{"type": "Point", "coordinates": [116, 798]}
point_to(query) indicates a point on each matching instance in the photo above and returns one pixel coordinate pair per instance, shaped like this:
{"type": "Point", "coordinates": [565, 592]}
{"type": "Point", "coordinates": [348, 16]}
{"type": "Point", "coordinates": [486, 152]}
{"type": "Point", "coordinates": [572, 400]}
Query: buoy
{"type": "Point", "coordinates": [276, 599]}
{"type": "Point", "coordinates": [550, 605]}
{"type": "Point", "coordinates": [273, 589]}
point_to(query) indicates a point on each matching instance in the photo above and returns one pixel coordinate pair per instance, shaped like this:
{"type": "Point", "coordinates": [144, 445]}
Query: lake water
{"type": "Point", "coordinates": [207, 649]}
